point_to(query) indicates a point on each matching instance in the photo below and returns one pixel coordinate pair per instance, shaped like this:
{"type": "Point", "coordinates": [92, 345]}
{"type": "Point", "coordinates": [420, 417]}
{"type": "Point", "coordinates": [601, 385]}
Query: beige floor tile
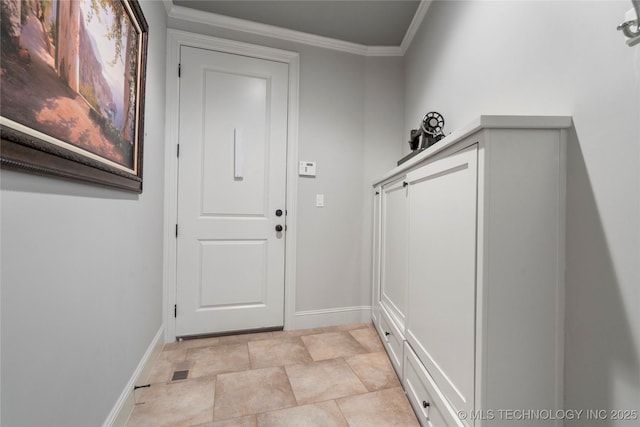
{"type": "Point", "coordinates": [161, 371]}
{"type": "Point", "coordinates": [386, 408]}
{"type": "Point", "coordinates": [324, 380]}
{"type": "Point", "coordinates": [368, 338]}
{"type": "Point", "coordinates": [252, 392]}
{"type": "Point", "coordinates": [332, 345]}
{"type": "Point", "coordinates": [178, 404]}
{"type": "Point", "coordinates": [352, 326]}
{"type": "Point", "coordinates": [374, 370]}
{"type": "Point", "coordinates": [192, 343]}
{"type": "Point", "coordinates": [299, 332]}
{"type": "Point", "coordinates": [323, 414]}
{"type": "Point", "coordinates": [310, 367]}
{"type": "Point", "coordinates": [248, 421]}
{"type": "Point", "coordinates": [173, 354]}
{"type": "Point", "coordinates": [167, 362]}
{"type": "Point", "coordinates": [218, 359]}
{"type": "Point", "coordinates": [278, 352]}
{"type": "Point", "coordinates": [235, 339]}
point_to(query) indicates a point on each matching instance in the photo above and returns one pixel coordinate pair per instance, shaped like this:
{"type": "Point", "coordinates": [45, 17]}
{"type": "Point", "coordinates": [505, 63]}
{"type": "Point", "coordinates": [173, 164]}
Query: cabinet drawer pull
{"type": "Point", "coordinates": [425, 404]}
{"type": "Point", "coordinates": [386, 334]}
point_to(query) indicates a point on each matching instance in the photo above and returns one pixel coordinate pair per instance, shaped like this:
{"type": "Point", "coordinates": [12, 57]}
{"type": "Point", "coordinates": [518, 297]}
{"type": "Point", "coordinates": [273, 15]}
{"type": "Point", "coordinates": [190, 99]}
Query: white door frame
{"type": "Point", "coordinates": [176, 39]}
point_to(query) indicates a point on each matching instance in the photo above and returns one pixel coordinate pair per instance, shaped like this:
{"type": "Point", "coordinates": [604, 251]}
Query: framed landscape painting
{"type": "Point", "coordinates": [72, 81]}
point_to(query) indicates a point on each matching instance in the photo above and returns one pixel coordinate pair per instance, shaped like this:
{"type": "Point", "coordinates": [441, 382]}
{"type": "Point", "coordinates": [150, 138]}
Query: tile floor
{"type": "Point", "coordinates": [335, 376]}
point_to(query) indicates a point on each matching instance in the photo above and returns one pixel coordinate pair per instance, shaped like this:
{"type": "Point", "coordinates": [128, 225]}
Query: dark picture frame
{"type": "Point", "coordinates": [72, 89]}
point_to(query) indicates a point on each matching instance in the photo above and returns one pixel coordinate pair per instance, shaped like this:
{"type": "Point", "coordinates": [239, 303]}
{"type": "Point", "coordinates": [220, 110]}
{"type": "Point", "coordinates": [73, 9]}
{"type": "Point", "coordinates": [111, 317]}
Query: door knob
{"type": "Point", "coordinates": [278, 228]}
{"type": "Point", "coordinates": [279, 212]}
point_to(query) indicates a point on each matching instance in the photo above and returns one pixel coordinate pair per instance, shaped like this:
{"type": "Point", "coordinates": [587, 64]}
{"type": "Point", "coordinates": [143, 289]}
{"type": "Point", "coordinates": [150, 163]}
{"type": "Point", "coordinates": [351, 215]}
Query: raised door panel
{"type": "Point", "coordinates": [442, 273]}
{"type": "Point", "coordinates": [393, 284]}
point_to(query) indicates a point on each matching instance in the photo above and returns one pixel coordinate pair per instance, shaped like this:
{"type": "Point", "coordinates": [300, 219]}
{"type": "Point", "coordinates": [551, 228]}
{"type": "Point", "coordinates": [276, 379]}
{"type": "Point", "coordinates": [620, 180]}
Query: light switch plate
{"type": "Point", "coordinates": [319, 200]}
{"type": "Point", "coordinates": [307, 169]}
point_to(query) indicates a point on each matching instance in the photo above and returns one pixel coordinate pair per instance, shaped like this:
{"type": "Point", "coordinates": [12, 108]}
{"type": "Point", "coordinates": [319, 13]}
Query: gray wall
{"type": "Point", "coordinates": [82, 279]}
{"type": "Point", "coordinates": [352, 140]}
{"type": "Point", "coordinates": [384, 106]}
{"type": "Point", "coordinates": [472, 58]}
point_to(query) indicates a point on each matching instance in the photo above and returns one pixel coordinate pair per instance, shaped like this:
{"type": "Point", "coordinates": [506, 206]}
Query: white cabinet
{"type": "Point", "coordinates": [391, 287]}
{"type": "Point", "coordinates": [393, 340]}
{"type": "Point", "coordinates": [474, 285]}
{"type": "Point", "coordinates": [442, 281]}
{"type": "Point", "coordinates": [393, 255]}
{"type": "Point", "coordinates": [428, 402]}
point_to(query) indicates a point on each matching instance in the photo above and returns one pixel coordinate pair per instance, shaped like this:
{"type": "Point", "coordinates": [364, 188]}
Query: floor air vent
{"type": "Point", "coordinates": [180, 375]}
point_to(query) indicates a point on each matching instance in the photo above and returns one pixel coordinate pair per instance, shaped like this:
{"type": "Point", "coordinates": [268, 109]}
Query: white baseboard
{"type": "Point", "coordinates": [121, 411]}
{"type": "Point", "coordinates": [331, 317]}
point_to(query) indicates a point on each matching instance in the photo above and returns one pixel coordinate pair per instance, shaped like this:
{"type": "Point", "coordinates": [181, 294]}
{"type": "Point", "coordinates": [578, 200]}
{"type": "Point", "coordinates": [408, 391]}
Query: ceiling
{"type": "Point", "coordinates": [364, 22]}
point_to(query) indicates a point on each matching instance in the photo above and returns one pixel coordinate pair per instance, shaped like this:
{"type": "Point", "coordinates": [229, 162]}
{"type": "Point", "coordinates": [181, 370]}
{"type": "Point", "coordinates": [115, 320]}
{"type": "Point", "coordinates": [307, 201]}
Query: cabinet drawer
{"type": "Point", "coordinates": [428, 402]}
{"type": "Point", "coordinates": [392, 339]}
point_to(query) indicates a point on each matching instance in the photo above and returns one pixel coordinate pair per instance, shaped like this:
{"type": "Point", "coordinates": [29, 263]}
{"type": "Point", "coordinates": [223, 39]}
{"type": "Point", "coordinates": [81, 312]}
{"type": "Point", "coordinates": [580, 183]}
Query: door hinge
{"type": "Point", "coordinates": [175, 310]}
{"type": "Point", "coordinates": [179, 70]}
{"type": "Point", "coordinates": [176, 230]}
{"type": "Point", "coordinates": [178, 151]}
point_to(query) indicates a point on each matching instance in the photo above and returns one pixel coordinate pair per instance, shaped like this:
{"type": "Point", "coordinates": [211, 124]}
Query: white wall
{"type": "Point", "coordinates": [82, 279]}
{"type": "Point", "coordinates": [472, 58]}
{"type": "Point", "coordinates": [341, 130]}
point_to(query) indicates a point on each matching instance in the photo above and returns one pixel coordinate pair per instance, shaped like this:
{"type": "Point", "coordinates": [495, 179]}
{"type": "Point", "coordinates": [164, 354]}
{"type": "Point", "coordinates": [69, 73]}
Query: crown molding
{"type": "Point", "coordinates": [265, 30]}
{"type": "Point", "coordinates": [421, 12]}
{"type": "Point", "coordinates": [383, 51]}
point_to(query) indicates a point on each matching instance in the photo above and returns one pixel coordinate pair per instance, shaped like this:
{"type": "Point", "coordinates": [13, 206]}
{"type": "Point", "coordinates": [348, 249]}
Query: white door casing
{"type": "Point", "coordinates": [228, 187]}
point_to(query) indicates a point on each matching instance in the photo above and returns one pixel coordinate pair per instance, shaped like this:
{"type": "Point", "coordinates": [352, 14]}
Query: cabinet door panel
{"type": "Point", "coordinates": [442, 273]}
{"type": "Point", "coordinates": [392, 340]}
{"type": "Point", "coordinates": [430, 406]}
{"type": "Point", "coordinates": [393, 289]}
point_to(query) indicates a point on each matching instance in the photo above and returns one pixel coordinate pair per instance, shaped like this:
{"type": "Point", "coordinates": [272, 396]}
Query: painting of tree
{"type": "Point", "coordinates": [73, 76]}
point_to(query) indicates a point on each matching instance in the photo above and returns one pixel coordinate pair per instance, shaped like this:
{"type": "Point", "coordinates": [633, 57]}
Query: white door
{"type": "Point", "coordinates": [231, 192]}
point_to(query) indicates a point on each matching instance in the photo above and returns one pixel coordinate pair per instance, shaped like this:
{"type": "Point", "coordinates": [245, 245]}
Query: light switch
{"type": "Point", "coordinates": [319, 200]}
{"type": "Point", "coordinates": [307, 169]}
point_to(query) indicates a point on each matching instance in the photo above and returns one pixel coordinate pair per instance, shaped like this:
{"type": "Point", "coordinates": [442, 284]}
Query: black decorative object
{"type": "Point", "coordinates": [432, 125]}
{"type": "Point", "coordinates": [428, 133]}
{"type": "Point", "coordinates": [414, 138]}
